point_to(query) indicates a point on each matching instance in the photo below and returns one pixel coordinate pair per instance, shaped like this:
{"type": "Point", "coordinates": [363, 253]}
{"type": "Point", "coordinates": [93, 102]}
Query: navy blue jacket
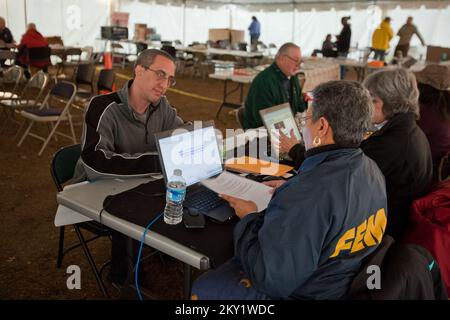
{"type": "Point", "coordinates": [319, 225]}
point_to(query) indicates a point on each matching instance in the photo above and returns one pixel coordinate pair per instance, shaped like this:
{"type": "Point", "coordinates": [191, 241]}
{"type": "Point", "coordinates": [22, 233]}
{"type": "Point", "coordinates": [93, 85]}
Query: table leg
{"type": "Point", "coordinates": [226, 93]}
{"type": "Point", "coordinates": [187, 281]}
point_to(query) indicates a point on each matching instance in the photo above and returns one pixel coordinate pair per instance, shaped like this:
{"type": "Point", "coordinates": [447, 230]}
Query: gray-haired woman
{"type": "Point", "coordinates": [399, 146]}
{"type": "Point", "coordinates": [308, 243]}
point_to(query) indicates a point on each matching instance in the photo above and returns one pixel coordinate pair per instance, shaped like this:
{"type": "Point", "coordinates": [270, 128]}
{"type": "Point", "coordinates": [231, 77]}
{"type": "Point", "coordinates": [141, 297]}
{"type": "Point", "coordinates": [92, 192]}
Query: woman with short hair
{"type": "Point", "coordinates": [319, 225]}
{"type": "Point", "coordinates": [398, 146]}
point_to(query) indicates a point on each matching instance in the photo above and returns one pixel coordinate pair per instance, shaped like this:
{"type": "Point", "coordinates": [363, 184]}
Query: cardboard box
{"type": "Point", "coordinates": [437, 54]}
{"type": "Point", "coordinates": [55, 40]}
{"type": "Point", "coordinates": [219, 34]}
{"type": "Point", "coordinates": [237, 36]}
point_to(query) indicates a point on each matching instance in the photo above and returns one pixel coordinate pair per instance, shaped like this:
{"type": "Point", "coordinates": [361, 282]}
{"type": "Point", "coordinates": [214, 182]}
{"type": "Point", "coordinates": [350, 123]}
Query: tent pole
{"type": "Point", "coordinates": [230, 22]}
{"type": "Point", "coordinates": [293, 22]}
{"type": "Point", "coordinates": [184, 22]}
{"type": "Point", "coordinates": [25, 13]}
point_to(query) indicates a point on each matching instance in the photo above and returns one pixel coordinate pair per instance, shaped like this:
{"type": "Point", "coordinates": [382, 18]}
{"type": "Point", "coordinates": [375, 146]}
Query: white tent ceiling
{"type": "Point", "coordinates": [305, 22]}
{"type": "Point", "coordinates": [289, 4]}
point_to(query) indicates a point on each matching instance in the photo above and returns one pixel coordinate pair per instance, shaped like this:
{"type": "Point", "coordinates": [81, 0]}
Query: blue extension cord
{"type": "Point", "coordinates": [136, 271]}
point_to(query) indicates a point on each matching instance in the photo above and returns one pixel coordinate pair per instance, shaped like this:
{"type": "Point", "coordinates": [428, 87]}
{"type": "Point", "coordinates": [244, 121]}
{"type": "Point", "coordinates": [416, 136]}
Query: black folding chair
{"type": "Point", "coordinates": [105, 84]}
{"type": "Point", "coordinates": [85, 76]}
{"type": "Point", "coordinates": [40, 57]}
{"type": "Point", "coordinates": [62, 169]}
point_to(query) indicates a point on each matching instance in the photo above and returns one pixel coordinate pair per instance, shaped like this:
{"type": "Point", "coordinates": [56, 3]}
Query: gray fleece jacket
{"type": "Point", "coordinates": [116, 143]}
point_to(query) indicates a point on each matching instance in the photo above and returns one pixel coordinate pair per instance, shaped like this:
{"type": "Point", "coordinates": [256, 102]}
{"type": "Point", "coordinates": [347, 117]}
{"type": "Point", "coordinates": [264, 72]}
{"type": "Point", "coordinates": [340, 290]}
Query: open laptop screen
{"type": "Point", "coordinates": [195, 152]}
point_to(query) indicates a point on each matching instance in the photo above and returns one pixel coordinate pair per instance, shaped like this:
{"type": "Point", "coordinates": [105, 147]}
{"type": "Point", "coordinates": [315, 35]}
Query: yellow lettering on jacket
{"type": "Point", "coordinates": [376, 226]}
{"type": "Point", "coordinates": [367, 234]}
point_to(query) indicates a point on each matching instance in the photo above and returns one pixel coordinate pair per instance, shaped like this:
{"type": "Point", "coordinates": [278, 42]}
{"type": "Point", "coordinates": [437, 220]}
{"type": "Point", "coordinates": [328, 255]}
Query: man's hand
{"type": "Point", "coordinates": [240, 206]}
{"type": "Point", "coordinates": [274, 184]}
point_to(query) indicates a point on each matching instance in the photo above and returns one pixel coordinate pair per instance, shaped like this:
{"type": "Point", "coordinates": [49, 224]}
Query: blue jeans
{"type": "Point", "coordinates": [227, 282]}
{"type": "Point", "coordinates": [343, 70]}
{"type": "Point", "coordinates": [379, 54]}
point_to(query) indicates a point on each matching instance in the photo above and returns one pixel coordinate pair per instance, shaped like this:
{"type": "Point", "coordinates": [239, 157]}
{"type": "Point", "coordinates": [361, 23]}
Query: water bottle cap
{"type": "Point", "coordinates": [177, 172]}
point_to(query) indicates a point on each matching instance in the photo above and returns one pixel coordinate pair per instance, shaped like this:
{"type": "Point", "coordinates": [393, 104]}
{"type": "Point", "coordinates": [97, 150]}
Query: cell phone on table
{"type": "Point", "coordinates": [193, 220]}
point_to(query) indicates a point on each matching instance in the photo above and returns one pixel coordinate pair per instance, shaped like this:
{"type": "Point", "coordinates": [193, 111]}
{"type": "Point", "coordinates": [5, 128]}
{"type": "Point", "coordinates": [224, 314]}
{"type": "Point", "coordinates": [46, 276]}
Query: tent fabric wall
{"type": "Point", "coordinates": [303, 22]}
{"type": "Point", "coordinates": [167, 19]}
{"type": "Point", "coordinates": [76, 21]}
{"type": "Point", "coordinates": [13, 12]}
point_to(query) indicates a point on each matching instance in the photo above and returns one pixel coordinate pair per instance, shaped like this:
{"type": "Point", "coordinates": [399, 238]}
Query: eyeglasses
{"type": "Point", "coordinates": [161, 75]}
{"type": "Point", "coordinates": [297, 62]}
{"type": "Point", "coordinates": [302, 118]}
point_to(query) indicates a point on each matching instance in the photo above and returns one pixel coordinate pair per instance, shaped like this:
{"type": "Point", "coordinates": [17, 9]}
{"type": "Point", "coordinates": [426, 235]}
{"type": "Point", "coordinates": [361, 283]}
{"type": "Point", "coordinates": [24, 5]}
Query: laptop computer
{"type": "Point", "coordinates": [196, 152]}
{"type": "Point", "coordinates": [277, 118]}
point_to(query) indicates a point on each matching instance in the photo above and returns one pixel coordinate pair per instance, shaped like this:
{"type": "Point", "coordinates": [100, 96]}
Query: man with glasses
{"type": "Point", "coordinates": [118, 132]}
{"type": "Point", "coordinates": [275, 85]}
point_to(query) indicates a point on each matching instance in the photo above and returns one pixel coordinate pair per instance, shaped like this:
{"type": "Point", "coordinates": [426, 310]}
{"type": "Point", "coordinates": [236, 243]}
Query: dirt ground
{"type": "Point", "coordinates": [28, 237]}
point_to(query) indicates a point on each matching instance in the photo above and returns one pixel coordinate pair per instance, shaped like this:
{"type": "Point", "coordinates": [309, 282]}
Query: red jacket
{"type": "Point", "coordinates": [430, 226]}
{"type": "Point", "coordinates": [32, 39]}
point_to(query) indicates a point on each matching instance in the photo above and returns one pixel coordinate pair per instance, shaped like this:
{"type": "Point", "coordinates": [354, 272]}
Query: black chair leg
{"type": "Point", "coordinates": [187, 281]}
{"type": "Point", "coordinates": [91, 262]}
{"type": "Point", "coordinates": [60, 247]}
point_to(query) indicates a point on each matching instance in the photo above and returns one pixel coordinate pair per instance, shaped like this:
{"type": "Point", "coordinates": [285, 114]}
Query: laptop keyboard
{"type": "Point", "coordinates": [205, 201]}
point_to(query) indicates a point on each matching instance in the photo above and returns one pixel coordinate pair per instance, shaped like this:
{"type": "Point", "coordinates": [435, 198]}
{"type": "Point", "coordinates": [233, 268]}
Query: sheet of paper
{"type": "Point", "coordinates": [239, 187]}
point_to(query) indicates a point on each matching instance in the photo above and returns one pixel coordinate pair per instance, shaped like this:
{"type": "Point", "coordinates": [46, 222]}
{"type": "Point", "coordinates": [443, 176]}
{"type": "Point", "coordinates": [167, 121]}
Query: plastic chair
{"type": "Point", "coordinates": [62, 169]}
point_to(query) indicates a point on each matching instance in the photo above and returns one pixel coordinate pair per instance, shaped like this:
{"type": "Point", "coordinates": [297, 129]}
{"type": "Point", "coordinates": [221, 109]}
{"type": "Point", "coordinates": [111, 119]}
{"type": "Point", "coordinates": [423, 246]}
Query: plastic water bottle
{"type": "Point", "coordinates": [176, 191]}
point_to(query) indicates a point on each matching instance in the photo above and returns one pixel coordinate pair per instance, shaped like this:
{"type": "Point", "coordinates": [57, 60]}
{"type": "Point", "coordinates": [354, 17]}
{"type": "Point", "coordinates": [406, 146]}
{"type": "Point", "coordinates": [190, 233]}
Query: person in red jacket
{"type": "Point", "coordinates": [32, 39]}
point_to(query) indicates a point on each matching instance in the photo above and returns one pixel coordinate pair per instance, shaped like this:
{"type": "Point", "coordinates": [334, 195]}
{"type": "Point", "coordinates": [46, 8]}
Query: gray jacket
{"type": "Point", "coordinates": [116, 143]}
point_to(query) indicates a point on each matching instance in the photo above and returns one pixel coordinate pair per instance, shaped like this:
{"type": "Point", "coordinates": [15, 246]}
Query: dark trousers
{"type": "Point", "coordinates": [227, 282]}
{"type": "Point", "coordinates": [403, 48]}
{"type": "Point", "coordinates": [254, 42]}
{"type": "Point", "coordinates": [121, 256]}
{"type": "Point", "coordinates": [343, 69]}
{"type": "Point", "coordinates": [379, 54]}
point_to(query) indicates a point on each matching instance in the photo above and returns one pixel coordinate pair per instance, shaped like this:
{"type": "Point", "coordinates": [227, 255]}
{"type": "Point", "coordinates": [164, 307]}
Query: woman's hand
{"type": "Point", "coordinates": [287, 142]}
{"type": "Point", "coordinates": [274, 184]}
{"type": "Point", "coordinates": [240, 206]}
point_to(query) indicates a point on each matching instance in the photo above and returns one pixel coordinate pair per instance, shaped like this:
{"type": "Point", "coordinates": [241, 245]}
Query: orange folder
{"type": "Point", "coordinates": [254, 165]}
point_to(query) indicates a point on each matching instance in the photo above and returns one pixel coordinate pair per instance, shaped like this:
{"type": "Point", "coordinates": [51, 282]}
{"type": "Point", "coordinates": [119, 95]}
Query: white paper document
{"type": "Point", "coordinates": [239, 187]}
